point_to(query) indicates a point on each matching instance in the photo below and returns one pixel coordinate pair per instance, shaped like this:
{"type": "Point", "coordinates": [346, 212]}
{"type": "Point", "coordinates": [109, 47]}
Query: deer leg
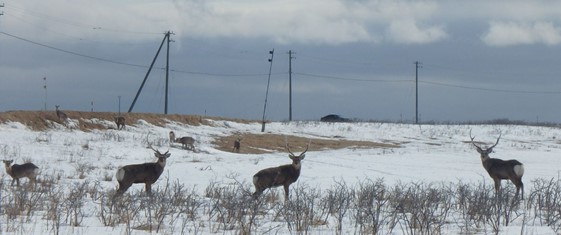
{"type": "Point", "coordinates": [17, 181]}
{"type": "Point", "coordinates": [13, 181]}
{"type": "Point", "coordinates": [257, 192]}
{"type": "Point", "coordinates": [122, 188]}
{"type": "Point", "coordinates": [497, 184]}
{"type": "Point", "coordinates": [148, 188]}
{"type": "Point", "coordinates": [519, 186]}
{"type": "Point", "coordinates": [286, 192]}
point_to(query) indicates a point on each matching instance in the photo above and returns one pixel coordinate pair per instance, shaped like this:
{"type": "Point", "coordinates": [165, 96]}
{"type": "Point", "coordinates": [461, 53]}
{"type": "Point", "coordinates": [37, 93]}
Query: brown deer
{"type": "Point", "coordinates": [147, 173]}
{"type": "Point", "coordinates": [187, 142]}
{"type": "Point", "coordinates": [61, 115]}
{"type": "Point", "coordinates": [283, 175]}
{"type": "Point", "coordinates": [237, 144]}
{"type": "Point", "coordinates": [16, 171]}
{"type": "Point", "coordinates": [120, 121]}
{"type": "Point", "coordinates": [499, 169]}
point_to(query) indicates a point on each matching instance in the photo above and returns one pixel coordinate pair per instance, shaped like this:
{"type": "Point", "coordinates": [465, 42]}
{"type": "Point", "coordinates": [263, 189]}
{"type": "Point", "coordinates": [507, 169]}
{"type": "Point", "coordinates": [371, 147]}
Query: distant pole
{"type": "Point", "coordinates": [272, 52]}
{"type": "Point", "coordinates": [119, 97]}
{"type": "Point", "coordinates": [92, 106]}
{"type": "Point", "coordinates": [290, 85]}
{"type": "Point", "coordinates": [45, 88]}
{"type": "Point", "coordinates": [417, 66]}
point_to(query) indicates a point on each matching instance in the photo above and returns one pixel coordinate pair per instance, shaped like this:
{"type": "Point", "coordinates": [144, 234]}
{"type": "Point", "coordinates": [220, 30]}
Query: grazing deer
{"type": "Point", "coordinates": [283, 175]}
{"type": "Point", "coordinates": [237, 144]}
{"type": "Point", "coordinates": [16, 171]}
{"type": "Point", "coordinates": [120, 121]}
{"type": "Point", "coordinates": [499, 169]}
{"type": "Point", "coordinates": [187, 142]}
{"type": "Point", "coordinates": [61, 115]}
{"type": "Point", "coordinates": [147, 173]}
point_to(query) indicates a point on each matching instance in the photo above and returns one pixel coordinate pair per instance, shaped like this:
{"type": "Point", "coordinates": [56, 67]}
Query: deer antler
{"type": "Point", "coordinates": [156, 150]}
{"type": "Point", "coordinates": [500, 134]}
{"type": "Point", "coordinates": [472, 142]}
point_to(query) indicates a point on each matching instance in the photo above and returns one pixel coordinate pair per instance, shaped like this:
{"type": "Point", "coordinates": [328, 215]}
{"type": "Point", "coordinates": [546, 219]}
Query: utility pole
{"type": "Point", "coordinates": [166, 37]}
{"type": "Point", "coordinates": [167, 72]}
{"type": "Point", "coordinates": [45, 88]}
{"type": "Point", "coordinates": [119, 97]}
{"type": "Point", "coordinates": [417, 66]}
{"type": "Point", "coordinates": [290, 57]}
{"type": "Point", "coordinates": [2, 12]}
{"type": "Point", "coordinates": [272, 52]}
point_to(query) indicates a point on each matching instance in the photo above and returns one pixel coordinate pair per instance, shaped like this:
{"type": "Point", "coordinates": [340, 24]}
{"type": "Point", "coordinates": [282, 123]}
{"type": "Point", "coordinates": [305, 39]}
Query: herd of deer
{"type": "Point", "coordinates": [284, 175]}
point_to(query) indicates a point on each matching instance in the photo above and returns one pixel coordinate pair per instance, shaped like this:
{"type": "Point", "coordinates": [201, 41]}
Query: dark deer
{"type": "Point", "coordinates": [237, 145]}
{"type": "Point", "coordinates": [16, 171]}
{"type": "Point", "coordinates": [283, 175]}
{"type": "Point", "coordinates": [147, 173]}
{"type": "Point", "coordinates": [120, 121]}
{"type": "Point", "coordinates": [61, 115]}
{"type": "Point", "coordinates": [499, 169]}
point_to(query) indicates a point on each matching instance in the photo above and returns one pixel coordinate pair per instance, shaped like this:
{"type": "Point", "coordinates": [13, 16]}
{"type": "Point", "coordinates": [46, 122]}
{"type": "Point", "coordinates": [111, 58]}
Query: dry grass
{"type": "Point", "coordinates": [251, 143]}
{"type": "Point", "coordinates": [265, 143]}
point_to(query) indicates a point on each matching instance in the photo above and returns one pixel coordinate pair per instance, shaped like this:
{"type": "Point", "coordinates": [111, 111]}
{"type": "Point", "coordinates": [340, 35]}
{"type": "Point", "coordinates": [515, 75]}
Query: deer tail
{"type": "Point", "coordinates": [120, 174]}
{"type": "Point", "coordinates": [519, 170]}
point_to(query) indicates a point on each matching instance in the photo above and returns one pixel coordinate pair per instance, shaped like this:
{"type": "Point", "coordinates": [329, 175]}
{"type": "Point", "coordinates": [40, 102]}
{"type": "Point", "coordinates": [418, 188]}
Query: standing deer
{"type": "Point", "coordinates": [147, 173]}
{"type": "Point", "coordinates": [16, 171]}
{"type": "Point", "coordinates": [283, 175]}
{"type": "Point", "coordinates": [171, 137]}
{"type": "Point", "coordinates": [61, 115]}
{"type": "Point", "coordinates": [237, 144]}
{"type": "Point", "coordinates": [499, 169]}
{"type": "Point", "coordinates": [120, 121]}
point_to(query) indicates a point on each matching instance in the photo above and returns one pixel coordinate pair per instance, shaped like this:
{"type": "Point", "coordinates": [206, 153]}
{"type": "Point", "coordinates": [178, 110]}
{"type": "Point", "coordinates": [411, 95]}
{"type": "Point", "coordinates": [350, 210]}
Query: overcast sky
{"type": "Point", "coordinates": [480, 60]}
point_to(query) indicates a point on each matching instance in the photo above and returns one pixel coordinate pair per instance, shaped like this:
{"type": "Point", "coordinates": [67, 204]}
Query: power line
{"type": "Point", "coordinates": [72, 53]}
{"type": "Point", "coordinates": [491, 89]}
{"type": "Point", "coordinates": [130, 64]}
{"type": "Point", "coordinates": [350, 79]}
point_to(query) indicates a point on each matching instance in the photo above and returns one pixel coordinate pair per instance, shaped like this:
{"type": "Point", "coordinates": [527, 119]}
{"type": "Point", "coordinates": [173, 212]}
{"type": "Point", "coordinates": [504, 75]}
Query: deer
{"type": "Point", "coordinates": [498, 169]}
{"type": "Point", "coordinates": [171, 137]}
{"type": "Point", "coordinates": [120, 121]}
{"type": "Point", "coordinates": [147, 173]}
{"type": "Point", "coordinates": [237, 144]}
{"type": "Point", "coordinates": [61, 115]}
{"type": "Point", "coordinates": [16, 171]}
{"type": "Point", "coordinates": [186, 141]}
{"type": "Point", "coordinates": [283, 175]}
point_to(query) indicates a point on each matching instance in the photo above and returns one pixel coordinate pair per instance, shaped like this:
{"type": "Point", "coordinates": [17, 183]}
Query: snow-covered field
{"type": "Point", "coordinates": [429, 154]}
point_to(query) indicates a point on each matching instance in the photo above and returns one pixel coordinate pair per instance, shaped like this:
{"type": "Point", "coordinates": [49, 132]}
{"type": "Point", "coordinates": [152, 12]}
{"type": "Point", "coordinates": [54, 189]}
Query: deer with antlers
{"type": "Point", "coordinates": [147, 173]}
{"type": "Point", "coordinates": [498, 169]}
{"type": "Point", "coordinates": [283, 175]}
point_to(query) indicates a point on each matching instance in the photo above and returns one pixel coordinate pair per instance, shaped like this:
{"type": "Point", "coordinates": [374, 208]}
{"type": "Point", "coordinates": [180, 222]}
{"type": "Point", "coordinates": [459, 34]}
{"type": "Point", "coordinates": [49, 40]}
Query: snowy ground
{"type": "Point", "coordinates": [428, 153]}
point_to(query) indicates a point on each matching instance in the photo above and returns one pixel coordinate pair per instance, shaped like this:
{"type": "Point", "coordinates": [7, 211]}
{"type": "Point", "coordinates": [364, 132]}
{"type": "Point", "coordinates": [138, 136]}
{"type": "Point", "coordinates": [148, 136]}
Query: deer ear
{"type": "Point", "coordinates": [168, 155]}
{"type": "Point", "coordinates": [479, 150]}
{"type": "Point", "coordinates": [302, 156]}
